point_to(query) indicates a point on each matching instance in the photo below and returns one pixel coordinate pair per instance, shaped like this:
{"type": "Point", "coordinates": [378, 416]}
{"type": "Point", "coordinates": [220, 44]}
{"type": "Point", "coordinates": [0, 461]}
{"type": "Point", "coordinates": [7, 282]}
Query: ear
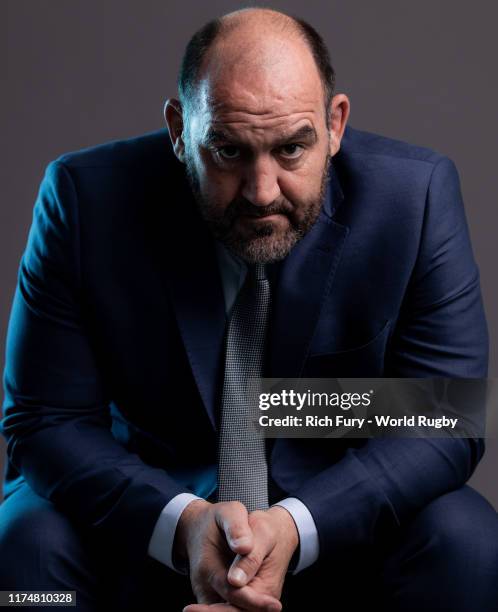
{"type": "Point", "coordinates": [339, 113]}
{"type": "Point", "coordinates": [173, 114]}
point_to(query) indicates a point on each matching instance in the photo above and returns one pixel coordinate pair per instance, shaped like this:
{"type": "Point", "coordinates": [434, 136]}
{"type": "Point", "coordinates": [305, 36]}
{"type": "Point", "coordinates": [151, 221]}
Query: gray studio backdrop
{"type": "Point", "coordinates": [80, 72]}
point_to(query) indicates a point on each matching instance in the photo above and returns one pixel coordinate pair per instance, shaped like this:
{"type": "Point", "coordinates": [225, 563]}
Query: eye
{"type": "Point", "coordinates": [291, 151]}
{"type": "Point", "coordinates": [228, 152]}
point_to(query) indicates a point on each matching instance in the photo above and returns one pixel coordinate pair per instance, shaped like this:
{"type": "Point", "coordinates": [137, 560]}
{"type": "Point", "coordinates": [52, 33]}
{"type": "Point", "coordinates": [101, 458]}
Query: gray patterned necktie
{"type": "Point", "coordinates": [242, 467]}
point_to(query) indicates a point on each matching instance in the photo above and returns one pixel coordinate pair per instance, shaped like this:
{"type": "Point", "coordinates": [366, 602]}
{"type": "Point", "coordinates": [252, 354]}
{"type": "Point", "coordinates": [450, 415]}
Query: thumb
{"type": "Point", "coordinates": [245, 567]}
{"type": "Point", "coordinates": [233, 520]}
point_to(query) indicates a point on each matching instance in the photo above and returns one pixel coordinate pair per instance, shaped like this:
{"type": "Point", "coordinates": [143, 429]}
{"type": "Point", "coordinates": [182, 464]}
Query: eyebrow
{"type": "Point", "coordinates": [304, 133]}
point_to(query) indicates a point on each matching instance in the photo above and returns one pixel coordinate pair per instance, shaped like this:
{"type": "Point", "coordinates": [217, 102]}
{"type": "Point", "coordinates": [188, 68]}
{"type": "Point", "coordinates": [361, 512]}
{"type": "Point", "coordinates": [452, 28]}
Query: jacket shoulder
{"type": "Point", "coordinates": [359, 142]}
{"type": "Point", "coordinates": [152, 149]}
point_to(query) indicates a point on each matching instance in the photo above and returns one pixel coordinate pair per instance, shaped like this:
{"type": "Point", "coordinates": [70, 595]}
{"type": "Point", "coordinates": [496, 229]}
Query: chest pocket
{"type": "Point", "coordinates": [366, 360]}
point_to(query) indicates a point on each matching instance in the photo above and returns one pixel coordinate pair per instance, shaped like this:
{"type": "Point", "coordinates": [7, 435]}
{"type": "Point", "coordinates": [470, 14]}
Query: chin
{"type": "Point", "coordinates": [265, 249]}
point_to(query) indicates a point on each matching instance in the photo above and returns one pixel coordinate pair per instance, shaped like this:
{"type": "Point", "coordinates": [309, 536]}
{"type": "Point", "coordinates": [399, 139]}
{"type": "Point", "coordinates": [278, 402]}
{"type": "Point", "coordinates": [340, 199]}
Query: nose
{"type": "Point", "coordinates": [260, 185]}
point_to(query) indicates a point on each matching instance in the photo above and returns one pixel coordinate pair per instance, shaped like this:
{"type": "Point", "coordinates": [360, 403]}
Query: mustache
{"type": "Point", "coordinates": [241, 206]}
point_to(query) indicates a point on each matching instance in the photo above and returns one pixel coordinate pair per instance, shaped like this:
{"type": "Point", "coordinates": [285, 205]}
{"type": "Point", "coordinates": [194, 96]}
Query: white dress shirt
{"type": "Point", "coordinates": [233, 271]}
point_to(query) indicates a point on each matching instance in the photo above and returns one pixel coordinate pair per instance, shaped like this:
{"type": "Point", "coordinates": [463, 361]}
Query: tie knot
{"type": "Point", "coordinates": [257, 272]}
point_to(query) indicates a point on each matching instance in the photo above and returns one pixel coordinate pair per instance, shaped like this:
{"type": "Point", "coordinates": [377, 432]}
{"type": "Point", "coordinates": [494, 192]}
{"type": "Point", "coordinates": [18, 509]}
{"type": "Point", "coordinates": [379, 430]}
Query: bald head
{"type": "Point", "coordinates": [253, 40]}
{"type": "Point", "coordinates": [264, 18]}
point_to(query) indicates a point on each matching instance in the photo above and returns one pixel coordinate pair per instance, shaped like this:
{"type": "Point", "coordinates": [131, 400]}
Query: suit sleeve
{"type": "Point", "coordinates": [441, 332]}
{"type": "Point", "coordinates": [56, 409]}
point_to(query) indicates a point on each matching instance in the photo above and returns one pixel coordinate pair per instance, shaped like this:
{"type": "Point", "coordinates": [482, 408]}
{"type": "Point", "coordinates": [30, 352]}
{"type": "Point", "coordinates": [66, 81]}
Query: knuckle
{"type": "Point", "coordinates": [259, 521]}
{"type": "Point", "coordinates": [199, 593]}
{"type": "Point", "coordinates": [250, 562]}
{"type": "Point", "coordinates": [237, 506]}
{"type": "Point", "coordinates": [204, 574]}
{"type": "Point", "coordinates": [215, 580]}
{"type": "Point", "coordinates": [266, 529]}
{"type": "Point", "coordinates": [257, 517]}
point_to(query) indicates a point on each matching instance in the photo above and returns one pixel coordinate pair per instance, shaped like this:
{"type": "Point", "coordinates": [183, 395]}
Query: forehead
{"type": "Point", "coordinates": [271, 84]}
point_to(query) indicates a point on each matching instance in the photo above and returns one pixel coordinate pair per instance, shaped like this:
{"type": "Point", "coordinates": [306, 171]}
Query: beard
{"type": "Point", "coordinates": [263, 242]}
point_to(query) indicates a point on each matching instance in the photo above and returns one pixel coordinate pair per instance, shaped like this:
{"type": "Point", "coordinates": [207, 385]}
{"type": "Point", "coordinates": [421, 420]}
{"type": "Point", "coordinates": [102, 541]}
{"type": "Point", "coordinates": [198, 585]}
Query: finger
{"type": "Point", "coordinates": [222, 607]}
{"type": "Point", "coordinates": [232, 519]}
{"type": "Point", "coordinates": [215, 588]}
{"type": "Point", "coordinates": [206, 595]}
{"type": "Point", "coordinates": [203, 581]}
{"type": "Point", "coordinates": [247, 597]}
{"type": "Point", "coordinates": [245, 567]}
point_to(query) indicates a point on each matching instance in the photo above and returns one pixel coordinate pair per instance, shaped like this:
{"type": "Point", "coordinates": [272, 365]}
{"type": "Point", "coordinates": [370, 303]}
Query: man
{"type": "Point", "coordinates": [144, 270]}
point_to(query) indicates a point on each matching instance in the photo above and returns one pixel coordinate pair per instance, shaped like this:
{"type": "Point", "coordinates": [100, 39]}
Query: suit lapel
{"type": "Point", "coordinates": [305, 278]}
{"type": "Point", "coordinates": [197, 297]}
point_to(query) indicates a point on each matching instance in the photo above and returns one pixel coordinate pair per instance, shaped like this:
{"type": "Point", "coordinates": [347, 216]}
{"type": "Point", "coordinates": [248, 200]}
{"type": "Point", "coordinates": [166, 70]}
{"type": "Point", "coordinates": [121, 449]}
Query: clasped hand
{"type": "Point", "coordinates": [237, 561]}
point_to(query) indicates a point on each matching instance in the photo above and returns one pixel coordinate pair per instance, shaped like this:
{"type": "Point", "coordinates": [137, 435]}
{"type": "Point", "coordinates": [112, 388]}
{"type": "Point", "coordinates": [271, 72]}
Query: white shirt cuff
{"type": "Point", "coordinates": [161, 541]}
{"type": "Point", "coordinates": [309, 547]}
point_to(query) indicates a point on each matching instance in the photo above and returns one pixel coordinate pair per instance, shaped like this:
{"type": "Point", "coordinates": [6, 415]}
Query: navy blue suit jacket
{"type": "Point", "coordinates": [114, 350]}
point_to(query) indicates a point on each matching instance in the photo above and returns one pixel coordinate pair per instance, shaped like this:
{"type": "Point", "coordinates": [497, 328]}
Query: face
{"type": "Point", "coordinates": [257, 153]}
